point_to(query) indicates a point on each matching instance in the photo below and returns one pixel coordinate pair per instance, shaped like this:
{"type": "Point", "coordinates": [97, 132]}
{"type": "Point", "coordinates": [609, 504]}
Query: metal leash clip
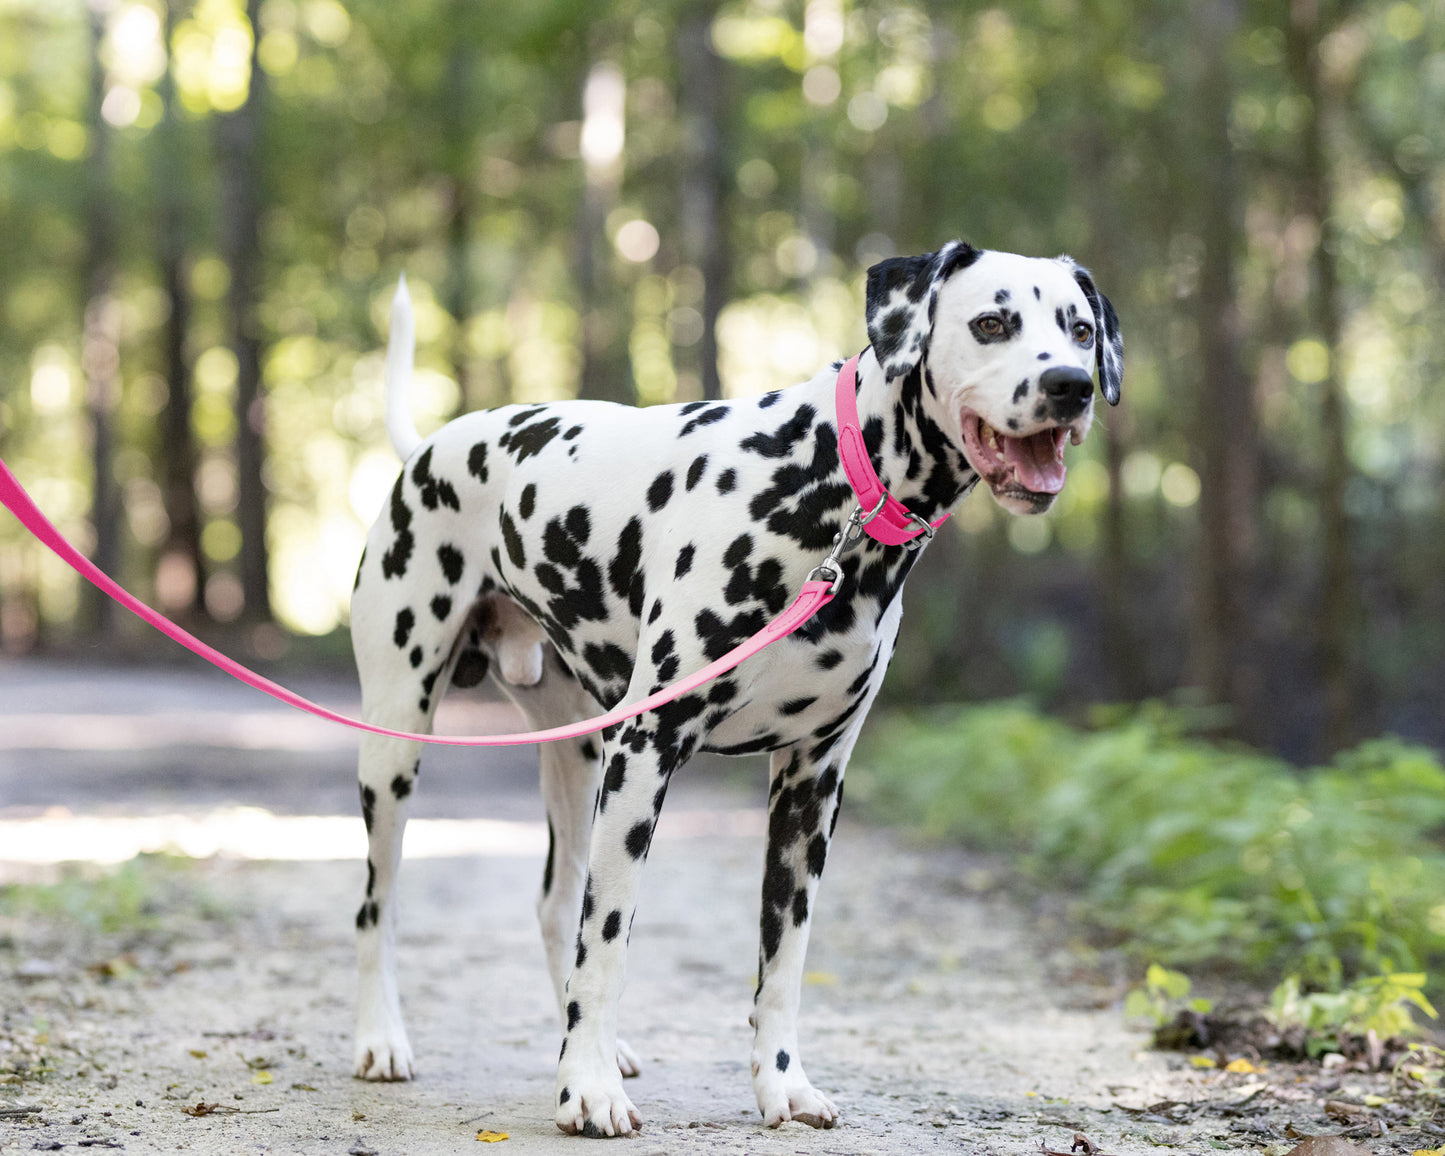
{"type": "Point", "coordinates": [830, 569]}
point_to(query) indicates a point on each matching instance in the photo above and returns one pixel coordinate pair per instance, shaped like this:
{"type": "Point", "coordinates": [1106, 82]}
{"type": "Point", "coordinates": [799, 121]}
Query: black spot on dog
{"type": "Point", "coordinates": [528, 501]}
{"type": "Point", "coordinates": [612, 925]}
{"type": "Point", "coordinates": [405, 620]}
{"type": "Point", "coordinates": [441, 606]}
{"type": "Point", "coordinates": [829, 659]}
{"type": "Point", "coordinates": [531, 440]}
{"type": "Point", "coordinates": [393, 562]}
{"type": "Point", "coordinates": [613, 780]}
{"type": "Point", "coordinates": [800, 907]}
{"type": "Point", "coordinates": [551, 855]}
{"type": "Point", "coordinates": [1021, 390]}
{"type": "Point", "coordinates": [623, 573]}
{"type": "Point", "coordinates": [513, 541]}
{"type": "Point", "coordinates": [707, 417]}
{"type": "Point", "coordinates": [1001, 296]}
{"type": "Point", "coordinates": [566, 1093]}
{"type": "Point", "coordinates": [572, 433]}
{"type": "Point", "coordinates": [782, 1060]}
{"type": "Point", "coordinates": [368, 807]}
{"type": "Point", "coordinates": [434, 491]}
{"type": "Point", "coordinates": [477, 462]}
{"type": "Point", "coordinates": [579, 524]}
{"type": "Point", "coordinates": [695, 471]}
{"type": "Point", "coordinates": [817, 854]}
{"type": "Point", "coordinates": [574, 1013]}
{"type": "Point", "coordinates": [797, 705]}
{"type": "Point", "coordinates": [471, 668]}
{"type": "Point", "coordinates": [452, 562]}
{"type": "Point", "coordinates": [784, 439]}
{"type": "Point", "coordinates": [415, 657]}
{"type": "Point", "coordinates": [656, 612]}
{"type": "Point", "coordinates": [691, 407]}
{"type": "Point", "coordinates": [639, 838]}
{"type": "Point", "coordinates": [401, 786]}
{"type": "Point", "coordinates": [370, 876]}
{"type": "Point", "coordinates": [367, 916]}
{"type": "Point", "coordinates": [768, 400]}
{"type": "Point", "coordinates": [727, 481]}
{"type": "Point", "coordinates": [660, 491]}
{"type": "Point", "coordinates": [684, 560]}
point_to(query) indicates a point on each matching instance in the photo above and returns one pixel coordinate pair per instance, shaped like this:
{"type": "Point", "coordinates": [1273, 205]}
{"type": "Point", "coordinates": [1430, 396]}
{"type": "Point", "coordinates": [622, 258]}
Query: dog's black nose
{"type": "Point", "coordinates": [1067, 386]}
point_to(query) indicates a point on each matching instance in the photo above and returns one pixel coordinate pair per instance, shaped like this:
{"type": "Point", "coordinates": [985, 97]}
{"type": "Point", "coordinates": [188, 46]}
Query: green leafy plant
{"type": "Point", "coordinates": [1378, 1003]}
{"type": "Point", "coordinates": [1163, 995]}
{"type": "Point", "coordinates": [1186, 852]}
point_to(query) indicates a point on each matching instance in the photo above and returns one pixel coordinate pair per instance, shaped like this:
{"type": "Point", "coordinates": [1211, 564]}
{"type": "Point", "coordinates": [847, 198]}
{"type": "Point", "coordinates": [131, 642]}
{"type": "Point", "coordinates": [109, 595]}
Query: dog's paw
{"type": "Point", "coordinates": [595, 1106]}
{"type": "Point", "coordinates": [784, 1096]}
{"type": "Point", "coordinates": [384, 1056]}
{"type": "Point", "coordinates": [627, 1062]}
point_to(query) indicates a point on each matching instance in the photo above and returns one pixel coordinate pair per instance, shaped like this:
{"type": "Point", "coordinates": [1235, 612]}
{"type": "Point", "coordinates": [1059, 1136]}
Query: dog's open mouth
{"type": "Point", "coordinates": [1032, 464]}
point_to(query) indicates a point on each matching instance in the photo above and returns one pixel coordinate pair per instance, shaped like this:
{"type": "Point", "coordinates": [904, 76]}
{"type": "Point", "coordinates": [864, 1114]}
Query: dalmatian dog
{"type": "Point", "coordinates": [587, 554]}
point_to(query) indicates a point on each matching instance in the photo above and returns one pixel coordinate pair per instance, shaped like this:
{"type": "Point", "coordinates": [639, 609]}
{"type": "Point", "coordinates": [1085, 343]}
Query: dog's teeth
{"type": "Point", "coordinates": [1074, 437]}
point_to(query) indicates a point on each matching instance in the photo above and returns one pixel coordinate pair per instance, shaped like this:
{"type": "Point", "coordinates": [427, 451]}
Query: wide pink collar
{"type": "Point", "coordinates": [890, 522]}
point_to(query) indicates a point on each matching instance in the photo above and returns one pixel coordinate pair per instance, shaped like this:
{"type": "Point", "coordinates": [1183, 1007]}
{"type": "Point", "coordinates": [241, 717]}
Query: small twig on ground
{"type": "Point", "coordinates": [18, 1111]}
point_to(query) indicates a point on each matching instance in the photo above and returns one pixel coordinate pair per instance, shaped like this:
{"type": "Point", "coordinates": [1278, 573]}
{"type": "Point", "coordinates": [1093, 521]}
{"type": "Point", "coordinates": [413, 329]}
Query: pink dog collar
{"type": "Point", "coordinates": [893, 523]}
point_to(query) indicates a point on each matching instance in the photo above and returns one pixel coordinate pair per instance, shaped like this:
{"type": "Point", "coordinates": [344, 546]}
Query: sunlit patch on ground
{"type": "Point", "coordinates": [58, 836]}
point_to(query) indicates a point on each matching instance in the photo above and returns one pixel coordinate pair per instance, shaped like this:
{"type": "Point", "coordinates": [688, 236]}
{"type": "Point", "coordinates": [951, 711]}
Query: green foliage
{"type": "Point", "coordinates": [1192, 853]}
{"type": "Point", "coordinates": [1163, 995]}
{"type": "Point", "coordinates": [1378, 1003]}
{"type": "Point", "coordinates": [133, 897]}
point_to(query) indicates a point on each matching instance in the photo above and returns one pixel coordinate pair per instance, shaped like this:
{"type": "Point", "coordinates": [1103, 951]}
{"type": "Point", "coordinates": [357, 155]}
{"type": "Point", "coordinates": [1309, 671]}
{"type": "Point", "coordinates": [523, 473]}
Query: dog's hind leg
{"type": "Point", "coordinates": [404, 659]}
{"type": "Point", "coordinates": [571, 771]}
{"type": "Point", "coordinates": [805, 790]}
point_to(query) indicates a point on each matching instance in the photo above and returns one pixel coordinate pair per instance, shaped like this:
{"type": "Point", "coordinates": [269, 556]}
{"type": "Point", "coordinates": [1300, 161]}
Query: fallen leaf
{"type": "Point", "coordinates": [1429, 1151]}
{"type": "Point", "coordinates": [302, 1088]}
{"type": "Point", "coordinates": [819, 978]}
{"type": "Point", "coordinates": [199, 1053]}
{"type": "Point", "coordinates": [1203, 1061]}
{"type": "Point", "coordinates": [1374, 1101]}
{"type": "Point", "coordinates": [491, 1137]}
{"type": "Point", "coordinates": [201, 1109]}
{"type": "Point", "coordinates": [1328, 1146]}
{"type": "Point", "coordinates": [1240, 1065]}
{"type": "Point", "coordinates": [262, 1077]}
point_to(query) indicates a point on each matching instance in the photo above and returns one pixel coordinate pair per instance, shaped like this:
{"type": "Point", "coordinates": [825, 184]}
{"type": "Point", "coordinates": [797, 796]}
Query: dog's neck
{"type": "Point", "coordinates": [915, 459]}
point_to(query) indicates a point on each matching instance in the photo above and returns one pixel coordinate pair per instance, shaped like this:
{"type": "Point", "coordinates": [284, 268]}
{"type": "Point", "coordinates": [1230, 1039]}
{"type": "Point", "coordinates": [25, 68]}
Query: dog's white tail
{"type": "Point", "coordinates": [400, 355]}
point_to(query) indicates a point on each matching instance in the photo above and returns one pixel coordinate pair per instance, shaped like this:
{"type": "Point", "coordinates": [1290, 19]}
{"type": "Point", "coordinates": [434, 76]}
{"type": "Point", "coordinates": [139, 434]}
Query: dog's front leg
{"type": "Point", "coordinates": [637, 759]}
{"type": "Point", "coordinates": [387, 772]}
{"type": "Point", "coordinates": [805, 790]}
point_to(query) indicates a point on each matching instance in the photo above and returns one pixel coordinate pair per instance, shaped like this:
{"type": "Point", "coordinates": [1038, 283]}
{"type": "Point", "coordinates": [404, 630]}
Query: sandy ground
{"type": "Point", "coordinates": [940, 1012]}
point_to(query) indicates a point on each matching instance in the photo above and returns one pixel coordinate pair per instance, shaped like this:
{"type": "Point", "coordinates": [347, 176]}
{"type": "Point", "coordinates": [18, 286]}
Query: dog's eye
{"type": "Point", "coordinates": [1083, 332]}
{"type": "Point", "coordinates": [991, 326]}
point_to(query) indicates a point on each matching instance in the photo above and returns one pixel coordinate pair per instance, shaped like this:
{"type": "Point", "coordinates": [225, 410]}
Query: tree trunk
{"type": "Point", "coordinates": [178, 444]}
{"type": "Point", "coordinates": [704, 180]}
{"type": "Point", "coordinates": [100, 349]}
{"type": "Point", "coordinates": [605, 366]}
{"type": "Point", "coordinates": [459, 122]}
{"type": "Point", "coordinates": [1339, 597]}
{"type": "Point", "coordinates": [1225, 425]}
{"type": "Point", "coordinates": [241, 189]}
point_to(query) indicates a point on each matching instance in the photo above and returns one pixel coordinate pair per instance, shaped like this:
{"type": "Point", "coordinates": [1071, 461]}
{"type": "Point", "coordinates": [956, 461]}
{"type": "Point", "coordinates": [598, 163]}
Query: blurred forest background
{"type": "Point", "coordinates": [205, 204]}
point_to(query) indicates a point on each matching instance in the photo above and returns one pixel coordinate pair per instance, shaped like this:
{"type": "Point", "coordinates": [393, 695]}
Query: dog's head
{"type": "Point", "coordinates": [1008, 346]}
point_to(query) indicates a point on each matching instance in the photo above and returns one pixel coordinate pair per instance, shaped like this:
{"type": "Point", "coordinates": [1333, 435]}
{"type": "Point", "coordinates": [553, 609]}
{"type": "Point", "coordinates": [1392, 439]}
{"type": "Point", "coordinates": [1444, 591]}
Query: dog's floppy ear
{"type": "Point", "coordinates": [1109, 344]}
{"type": "Point", "coordinates": [902, 295]}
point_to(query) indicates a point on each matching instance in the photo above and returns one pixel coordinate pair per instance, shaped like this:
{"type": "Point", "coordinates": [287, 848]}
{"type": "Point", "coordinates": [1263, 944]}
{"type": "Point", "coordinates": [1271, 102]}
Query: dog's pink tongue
{"type": "Point", "coordinates": [1037, 462]}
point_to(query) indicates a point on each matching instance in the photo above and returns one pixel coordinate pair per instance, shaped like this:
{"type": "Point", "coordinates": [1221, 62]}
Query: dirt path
{"type": "Point", "coordinates": [935, 1014]}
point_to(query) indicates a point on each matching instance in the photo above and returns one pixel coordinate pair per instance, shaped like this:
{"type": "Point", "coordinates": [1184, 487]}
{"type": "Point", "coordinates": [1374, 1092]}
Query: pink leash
{"type": "Point", "coordinates": [817, 592]}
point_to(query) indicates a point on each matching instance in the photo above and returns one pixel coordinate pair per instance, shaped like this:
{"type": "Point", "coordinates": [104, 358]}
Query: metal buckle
{"type": "Point", "coordinates": [925, 532]}
{"type": "Point", "coordinates": [830, 569]}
